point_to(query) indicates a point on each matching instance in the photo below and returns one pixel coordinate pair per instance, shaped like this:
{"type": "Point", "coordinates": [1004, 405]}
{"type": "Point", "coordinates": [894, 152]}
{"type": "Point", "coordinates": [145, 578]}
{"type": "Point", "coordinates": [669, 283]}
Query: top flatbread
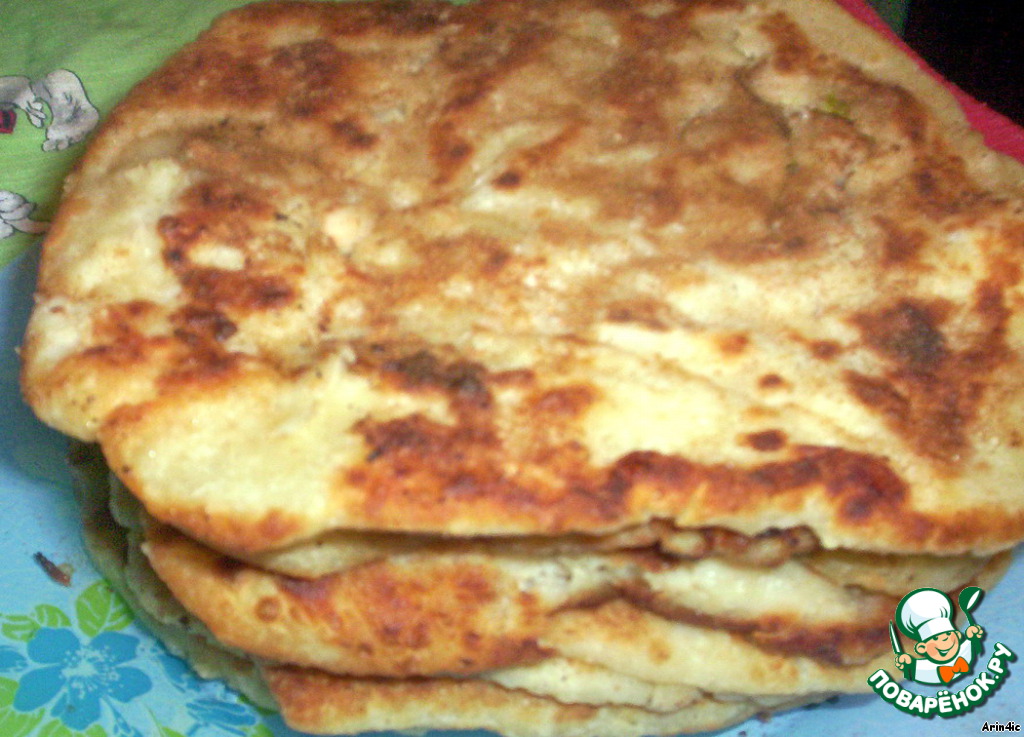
{"type": "Point", "coordinates": [525, 267]}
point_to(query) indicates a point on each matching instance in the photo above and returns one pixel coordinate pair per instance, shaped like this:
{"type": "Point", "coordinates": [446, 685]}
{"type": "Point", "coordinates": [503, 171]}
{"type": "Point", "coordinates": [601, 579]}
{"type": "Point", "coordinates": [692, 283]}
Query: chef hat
{"type": "Point", "coordinates": [924, 613]}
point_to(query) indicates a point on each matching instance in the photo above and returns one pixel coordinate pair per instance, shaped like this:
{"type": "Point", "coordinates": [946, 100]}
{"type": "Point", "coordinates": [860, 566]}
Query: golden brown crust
{"type": "Point", "coordinates": [718, 263]}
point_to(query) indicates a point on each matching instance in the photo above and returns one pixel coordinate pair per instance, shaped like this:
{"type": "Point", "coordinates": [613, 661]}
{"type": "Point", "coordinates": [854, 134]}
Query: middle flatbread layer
{"type": "Point", "coordinates": [417, 615]}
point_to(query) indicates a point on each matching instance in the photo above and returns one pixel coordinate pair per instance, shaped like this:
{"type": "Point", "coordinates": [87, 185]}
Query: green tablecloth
{"type": "Point", "coordinates": [63, 65]}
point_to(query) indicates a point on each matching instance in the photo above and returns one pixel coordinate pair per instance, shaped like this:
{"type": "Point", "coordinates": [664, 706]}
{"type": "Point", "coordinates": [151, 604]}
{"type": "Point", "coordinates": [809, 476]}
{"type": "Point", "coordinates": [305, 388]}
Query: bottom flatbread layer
{"type": "Point", "coordinates": [323, 703]}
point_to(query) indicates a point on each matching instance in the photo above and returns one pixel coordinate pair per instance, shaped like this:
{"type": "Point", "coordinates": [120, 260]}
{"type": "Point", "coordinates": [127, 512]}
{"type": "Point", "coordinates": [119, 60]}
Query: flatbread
{"type": "Point", "coordinates": [558, 367]}
{"type": "Point", "coordinates": [319, 702]}
{"type": "Point", "coordinates": [722, 264]}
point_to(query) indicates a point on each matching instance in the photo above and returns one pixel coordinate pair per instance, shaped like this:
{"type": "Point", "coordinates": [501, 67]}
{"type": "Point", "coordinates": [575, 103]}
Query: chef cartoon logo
{"type": "Point", "coordinates": [941, 655]}
{"type": "Point", "coordinates": [944, 652]}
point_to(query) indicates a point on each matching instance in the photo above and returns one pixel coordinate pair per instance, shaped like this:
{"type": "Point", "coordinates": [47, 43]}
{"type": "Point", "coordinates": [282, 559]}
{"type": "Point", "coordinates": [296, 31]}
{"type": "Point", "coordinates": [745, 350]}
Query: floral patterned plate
{"type": "Point", "coordinates": [74, 662]}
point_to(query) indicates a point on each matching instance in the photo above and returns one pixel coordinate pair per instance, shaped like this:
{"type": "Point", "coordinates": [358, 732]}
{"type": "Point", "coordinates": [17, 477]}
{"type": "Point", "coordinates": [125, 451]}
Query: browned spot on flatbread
{"type": "Point", "coordinates": [204, 364]}
{"type": "Point", "coordinates": [767, 440]}
{"type": "Point", "coordinates": [508, 179]}
{"type": "Point", "coordinates": [313, 593]}
{"type": "Point", "coordinates": [908, 334]}
{"type": "Point", "coordinates": [218, 197]}
{"type": "Point", "coordinates": [865, 488]}
{"type": "Point", "coordinates": [933, 385]}
{"type": "Point", "coordinates": [470, 86]}
{"type": "Point", "coordinates": [793, 52]}
{"type": "Point", "coordinates": [449, 150]}
{"type": "Point", "coordinates": [466, 93]}
{"type": "Point", "coordinates": [937, 187]}
{"type": "Point", "coordinates": [733, 344]}
{"type": "Point", "coordinates": [197, 324]}
{"type": "Point", "coordinates": [649, 313]}
{"type": "Point", "coordinates": [302, 78]}
{"type": "Point", "coordinates": [825, 350]}
{"type": "Point", "coordinates": [658, 652]}
{"type": "Point", "coordinates": [461, 379]}
{"type": "Point", "coordinates": [178, 233]}
{"type": "Point", "coordinates": [227, 77]}
{"type": "Point", "coordinates": [354, 134]}
{"type": "Point", "coordinates": [657, 201]}
{"type": "Point", "coordinates": [636, 83]}
{"type": "Point", "coordinates": [881, 396]}
{"type": "Point", "coordinates": [567, 401]}
{"type": "Point", "coordinates": [771, 381]}
{"type": "Point", "coordinates": [900, 244]}
{"type": "Point", "coordinates": [317, 72]}
{"type": "Point", "coordinates": [238, 289]}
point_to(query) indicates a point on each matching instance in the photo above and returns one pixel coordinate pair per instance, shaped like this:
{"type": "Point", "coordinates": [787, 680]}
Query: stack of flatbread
{"type": "Point", "coordinates": [563, 367]}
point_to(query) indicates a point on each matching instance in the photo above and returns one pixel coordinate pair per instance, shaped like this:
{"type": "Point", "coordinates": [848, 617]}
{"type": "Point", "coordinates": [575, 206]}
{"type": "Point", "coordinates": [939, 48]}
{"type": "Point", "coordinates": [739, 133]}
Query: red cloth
{"type": "Point", "coordinates": [999, 132]}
